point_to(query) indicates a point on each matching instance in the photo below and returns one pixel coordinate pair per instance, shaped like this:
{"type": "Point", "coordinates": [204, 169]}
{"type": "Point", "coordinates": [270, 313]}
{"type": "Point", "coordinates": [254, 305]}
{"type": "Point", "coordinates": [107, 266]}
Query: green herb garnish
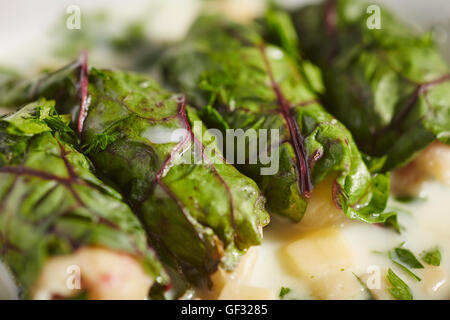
{"type": "Point", "coordinates": [284, 291]}
{"type": "Point", "coordinates": [400, 289]}
{"type": "Point", "coordinates": [368, 292]}
{"type": "Point", "coordinates": [405, 259]}
{"type": "Point", "coordinates": [408, 258]}
{"type": "Point", "coordinates": [432, 257]}
{"type": "Point", "coordinates": [392, 222]}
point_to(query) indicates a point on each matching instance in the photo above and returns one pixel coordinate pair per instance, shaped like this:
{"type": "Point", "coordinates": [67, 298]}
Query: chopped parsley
{"type": "Point", "coordinates": [400, 289]}
{"type": "Point", "coordinates": [432, 257]}
{"type": "Point", "coordinates": [368, 292]}
{"type": "Point", "coordinates": [283, 292]}
{"type": "Point", "coordinates": [405, 259]}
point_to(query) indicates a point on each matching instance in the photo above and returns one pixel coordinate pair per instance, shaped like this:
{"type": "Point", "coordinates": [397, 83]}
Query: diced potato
{"type": "Point", "coordinates": [232, 286]}
{"type": "Point", "coordinates": [407, 181]}
{"type": "Point", "coordinates": [238, 10]}
{"type": "Point", "coordinates": [434, 279]}
{"type": "Point", "coordinates": [103, 273]}
{"type": "Point", "coordinates": [318, 253]}
{"type": "Point", "coordinates": [340, 285]}
{"type": "Point", "coordinates": [243, 272]}
{"type": "Point", "coordinates": [432, 163]}
{"type": "Point", "coordinates": [235, 291]}
{"type": "Point", "coordinates": [240, 275]}
{"type": "Point", "coordinates": [321, 210]}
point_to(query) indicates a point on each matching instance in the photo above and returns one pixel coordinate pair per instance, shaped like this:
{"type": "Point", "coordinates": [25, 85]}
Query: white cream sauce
{"type": "Point", "coordinates": [426, 225]}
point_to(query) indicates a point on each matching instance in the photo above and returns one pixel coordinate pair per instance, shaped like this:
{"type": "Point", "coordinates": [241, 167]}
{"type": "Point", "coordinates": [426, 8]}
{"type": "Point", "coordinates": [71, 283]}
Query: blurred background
{"type": "Point", "coordinates": [31, 32]}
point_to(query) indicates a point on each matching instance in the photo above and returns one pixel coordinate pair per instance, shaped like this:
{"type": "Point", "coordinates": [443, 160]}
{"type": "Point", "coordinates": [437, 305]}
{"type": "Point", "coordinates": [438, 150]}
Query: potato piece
{"type": "Point", "coordinates": [235, 291]}
{"type": "Point", "coordinates": [432, 163]}
{"type": "Point", "coordinates": [105, 274]}
{"type": "Point", "coordinates": [407, 181]}
{"type": "Point", "coordinates": [243, 272]}
{"type": "Point", "coordinates": [435, 161]}
{"type": "Point", "coordinates": [238, 10]}
{"type": "Point", "coordinates": [321, 210]}
{"type": "Point", "coordinates": [318, 253]}
{"type": "Point", "coordinates": [240, 275]}
{"type": "Point", "coordinates": [340, 285]}
{"type": "Point", "coordinates": [324, 259]}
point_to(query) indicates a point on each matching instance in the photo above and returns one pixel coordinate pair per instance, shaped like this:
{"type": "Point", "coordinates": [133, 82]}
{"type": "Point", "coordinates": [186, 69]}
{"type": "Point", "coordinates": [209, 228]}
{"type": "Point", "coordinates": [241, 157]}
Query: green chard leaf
{"type": "Point", "coordinates": [432, 257]}
{"type": "Point", "coordinates": [389, 86]}
{"type": "Point", "coordinates": [250, 86]}
{"type": "Point", "coordinates": [400, 289]}
{"type": "Point", "coordinates": [199, 211]}
{"type": "Point", "coordinates": [177, 186]}
{"type": "Point", "coordinates": [52, 204]}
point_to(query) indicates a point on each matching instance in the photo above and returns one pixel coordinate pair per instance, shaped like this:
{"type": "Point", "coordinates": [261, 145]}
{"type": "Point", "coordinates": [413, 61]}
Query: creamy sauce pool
{"type": "Point", "coordinates": [426, 225]}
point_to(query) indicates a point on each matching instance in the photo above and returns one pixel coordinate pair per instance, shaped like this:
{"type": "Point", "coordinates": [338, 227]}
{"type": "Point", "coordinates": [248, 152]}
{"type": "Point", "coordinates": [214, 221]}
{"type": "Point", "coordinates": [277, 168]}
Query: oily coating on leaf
{"type": "Point", "coordinates": [389, 86]}
{"type": "Point", "coordinates": [52, 204]}
{"type": "Point", "coordinates": [239, 82]}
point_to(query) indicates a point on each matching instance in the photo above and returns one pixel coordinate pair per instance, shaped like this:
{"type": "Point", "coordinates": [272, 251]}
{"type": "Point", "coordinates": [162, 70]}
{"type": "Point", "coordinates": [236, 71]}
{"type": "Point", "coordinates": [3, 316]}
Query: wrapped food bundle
{"type": "Point", "coordinates": [57, 217]}
{"type": "Point", "coordinates": [386, 82]}
{"type": "Point", "coordinates": [239, 82]}
{"type": "Point", "coordinates": [199, 211]}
